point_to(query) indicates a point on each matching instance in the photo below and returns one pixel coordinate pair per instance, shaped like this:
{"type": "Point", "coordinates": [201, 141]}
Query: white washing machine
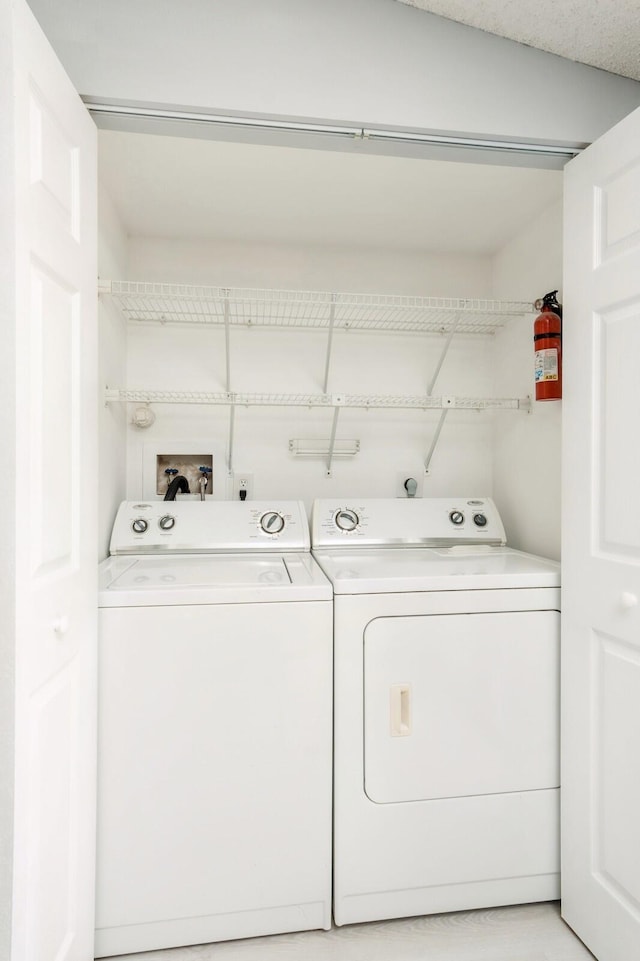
{"type": "Point", "coordinates": [215, 727]}
{"type": "Point", "coordinates": [446, 727]}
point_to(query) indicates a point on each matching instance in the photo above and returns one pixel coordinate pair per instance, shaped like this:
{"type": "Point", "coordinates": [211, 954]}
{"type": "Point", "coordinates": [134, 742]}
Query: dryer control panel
{"type": "Point", "coordinates": [199, 527]}
{"type": "Point", "coordinates": [415, 522]}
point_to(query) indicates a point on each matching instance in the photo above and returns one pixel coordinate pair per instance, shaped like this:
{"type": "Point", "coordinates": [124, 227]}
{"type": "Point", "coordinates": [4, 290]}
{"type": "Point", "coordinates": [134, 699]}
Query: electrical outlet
{"type": "Point", "coordinates": [242, 486]}
{"type": "Point", "coordinates": [401, 478]}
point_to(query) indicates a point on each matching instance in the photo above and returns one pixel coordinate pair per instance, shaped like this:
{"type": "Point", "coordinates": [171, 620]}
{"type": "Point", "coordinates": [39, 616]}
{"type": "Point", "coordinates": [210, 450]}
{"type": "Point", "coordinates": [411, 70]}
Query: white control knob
{"type": "Point", "coordinates": [272, 522]}
{"type": "Point", "coordinates": [456, 517]}
{"type": "Point", "coordinates": [166, 522]}
{"type": "Point", "coordinates": [347, 520]}
{"type": "Point", "coordinates": [139, 525]}
{"type": "Point", "coordinates": [628, 600]}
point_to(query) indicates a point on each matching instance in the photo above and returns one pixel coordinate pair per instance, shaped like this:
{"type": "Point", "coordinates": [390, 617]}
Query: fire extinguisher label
{"type": "Point", "coordinates": [546, 365]}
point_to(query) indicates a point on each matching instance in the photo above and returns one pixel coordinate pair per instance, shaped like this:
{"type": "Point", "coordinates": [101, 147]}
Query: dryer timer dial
{"type": "Point", "coordinates": [347, 520]}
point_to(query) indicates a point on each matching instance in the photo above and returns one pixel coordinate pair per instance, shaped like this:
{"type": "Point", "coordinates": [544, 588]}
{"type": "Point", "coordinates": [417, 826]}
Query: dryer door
{"type": "Point", "coordinates": [461, 704]}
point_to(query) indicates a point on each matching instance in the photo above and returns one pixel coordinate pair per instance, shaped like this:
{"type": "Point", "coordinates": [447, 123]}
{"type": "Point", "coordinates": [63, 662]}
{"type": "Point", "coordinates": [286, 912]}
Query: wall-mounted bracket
{"type": "Point", "coordinates": [436, 437]}
{"type": "Point", "coordinates": [337, 401]}
{"type": "Point", "coordinates": [327, 364]}
{"type": "Point", "coordinates": [227, 343]}
{"type": "Point", "coordinates": [443, 354]}
{"type": "Point", "coordinates": [232, 418]}
{"type": "Point", "coordinates": [319, 447]}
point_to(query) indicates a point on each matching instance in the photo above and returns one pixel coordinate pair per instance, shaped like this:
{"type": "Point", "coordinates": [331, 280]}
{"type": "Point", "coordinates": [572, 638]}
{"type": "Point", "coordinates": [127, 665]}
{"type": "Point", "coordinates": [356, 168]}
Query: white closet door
{"type": "Point", "coordinates": [56, 554]}
{"type": "Point", "coordinates": [601, 546]}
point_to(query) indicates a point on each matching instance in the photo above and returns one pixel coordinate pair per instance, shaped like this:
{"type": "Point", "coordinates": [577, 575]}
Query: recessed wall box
{"type": "Point", "coordinates": [186, 464]}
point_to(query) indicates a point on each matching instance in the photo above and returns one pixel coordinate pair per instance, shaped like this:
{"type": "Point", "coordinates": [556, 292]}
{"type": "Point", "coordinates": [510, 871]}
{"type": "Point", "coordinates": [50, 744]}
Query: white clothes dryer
{"type": "Point", "coordinates": [446, 724]}
{"type": "Point", "coordinates": [215, 727]}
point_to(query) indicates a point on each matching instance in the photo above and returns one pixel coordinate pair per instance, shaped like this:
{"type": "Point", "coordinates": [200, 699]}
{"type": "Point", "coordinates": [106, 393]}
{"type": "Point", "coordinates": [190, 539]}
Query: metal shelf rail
{"type": "Point", "coordinates": [363, 401]}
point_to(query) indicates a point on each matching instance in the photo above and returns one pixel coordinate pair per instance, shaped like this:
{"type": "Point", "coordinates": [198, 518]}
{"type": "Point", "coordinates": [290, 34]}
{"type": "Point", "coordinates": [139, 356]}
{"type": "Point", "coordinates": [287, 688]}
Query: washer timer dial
{"type": "Point", "coordinates": [139, 525]}
{"type": "Point", "coordinates": [347, 520]}
{"type": "Point", "coordinates": [272, 522]}
{"type": "Point", "coordinates": [456, 517]}
{"type": "Point", "coordinates": [166, 522]}
{"type": "Point", "coordinates": [480, 520]}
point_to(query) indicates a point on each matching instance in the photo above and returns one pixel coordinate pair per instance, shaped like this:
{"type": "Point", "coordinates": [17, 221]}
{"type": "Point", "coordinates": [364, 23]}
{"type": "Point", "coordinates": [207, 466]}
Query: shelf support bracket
{"type": "Point", "coordinates": [444, 353]}
{"type": "Point", "coordinates": [232, 417]}
{"type": "Point", "coordinates": [232, 408]}
{"type": "Point", "coordinates": [327, 365]}
{"type": "Point", "coordinates": [436, 438]}
{"type": "Point", "coordinates": [227, 338]}
{"type": "Point", "coordinates": [338, 400]}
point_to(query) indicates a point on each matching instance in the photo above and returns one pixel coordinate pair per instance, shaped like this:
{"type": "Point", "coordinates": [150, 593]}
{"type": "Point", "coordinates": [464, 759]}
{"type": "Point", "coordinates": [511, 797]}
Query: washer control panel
{"type": "Point", "coordinates": [410, 522]}
{"type": "Point", "coordinates": [191, 527]}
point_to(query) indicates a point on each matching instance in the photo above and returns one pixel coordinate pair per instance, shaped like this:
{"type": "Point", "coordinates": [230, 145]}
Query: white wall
{"type": "Point", "coordinates": [7, 433]}
{"type": "Point", "coordinates": [289, 362]}
{"type": "Point", "coordinates": [112, 358]}
{"type": "Point", "coordinates": [306, 267]}
{"type": "Point", "coordinates": [526, 462]}
{"type": "Point", "coordinates": [362, 61]}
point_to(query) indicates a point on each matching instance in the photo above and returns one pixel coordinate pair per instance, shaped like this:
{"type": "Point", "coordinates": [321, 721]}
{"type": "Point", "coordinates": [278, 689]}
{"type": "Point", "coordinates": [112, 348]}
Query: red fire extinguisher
{"type": "Point", "coordinates": [547, 339]}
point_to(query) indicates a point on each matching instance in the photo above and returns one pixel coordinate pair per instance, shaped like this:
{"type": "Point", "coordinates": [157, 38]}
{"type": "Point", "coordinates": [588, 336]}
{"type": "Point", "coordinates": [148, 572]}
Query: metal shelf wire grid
{"type": "Point", "coordinates": [142, 302]}
{"type": "Point", "coordinates": [361, 401]}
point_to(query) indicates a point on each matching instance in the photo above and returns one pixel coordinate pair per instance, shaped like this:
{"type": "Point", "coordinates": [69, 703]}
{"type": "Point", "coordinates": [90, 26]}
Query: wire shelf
{"type": "Point", "coordinates": [355, 401]}
{"type": "Point", "coordinates": [156, 303]}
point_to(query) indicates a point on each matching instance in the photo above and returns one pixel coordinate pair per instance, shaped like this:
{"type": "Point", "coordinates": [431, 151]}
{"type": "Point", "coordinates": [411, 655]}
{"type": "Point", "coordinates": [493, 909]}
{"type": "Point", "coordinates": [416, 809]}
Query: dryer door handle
{"type": "Point", "coordinates": [400, 710]}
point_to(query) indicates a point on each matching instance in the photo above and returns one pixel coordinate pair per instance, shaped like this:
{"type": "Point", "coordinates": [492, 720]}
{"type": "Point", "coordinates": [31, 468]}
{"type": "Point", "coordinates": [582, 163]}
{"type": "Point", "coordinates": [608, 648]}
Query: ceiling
{"type": "Point", "coordinates": [202, 189]}
{"type": "Point", "coordinates": [601, 33]}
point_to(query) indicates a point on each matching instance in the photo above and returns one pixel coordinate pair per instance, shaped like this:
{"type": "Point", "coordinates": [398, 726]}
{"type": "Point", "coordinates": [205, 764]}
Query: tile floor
{"type": "Point", "coordinates": [531, 932]}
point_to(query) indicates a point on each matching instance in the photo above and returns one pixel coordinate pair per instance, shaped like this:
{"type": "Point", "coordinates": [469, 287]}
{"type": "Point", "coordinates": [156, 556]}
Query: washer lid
{"type": "Point", "coordinates": [462, 568]}
{"type": "Point", "coordinates": [211, 579]}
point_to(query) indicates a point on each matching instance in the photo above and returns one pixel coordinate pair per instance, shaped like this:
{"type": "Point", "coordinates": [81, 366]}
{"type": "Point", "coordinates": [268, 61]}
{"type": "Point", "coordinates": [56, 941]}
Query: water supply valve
{"type": "Point", "coordinates": [204, 480]}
